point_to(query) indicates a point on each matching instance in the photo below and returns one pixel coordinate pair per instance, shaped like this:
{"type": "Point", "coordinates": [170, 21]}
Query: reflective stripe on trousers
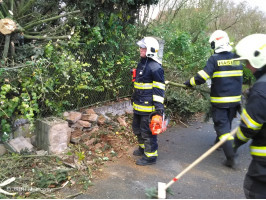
{"type": "Point", "coordinates": [225, 99]}
{"type": "Point", "coordinates": [141, 129]}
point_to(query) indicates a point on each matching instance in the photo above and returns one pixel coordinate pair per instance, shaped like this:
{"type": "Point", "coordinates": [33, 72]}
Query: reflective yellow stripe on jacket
{"type": "Point", "coordinates": [145, 86]}
{"type": "Point", "coordinates": [203, 74]}
{"type": "Point", "coordinates": [250, 123]}
{"type": "Point", "coordinates": [142, 86]}
{"type": "Point", "coordinates": [221, 74]}
{"type": "Point", "coordinates": [225, 99]}
{"type": "Point", "coordinates": [158, 85]}
{"type": "Point", "coordinates": [192, 81]}
{"type": "Point", "coordinates": [158, 98]}
{"type": "Point", "coordinates": [257, 151]}
{"type": "Point", "coordinates": [241, 136]}
{"type": "Point", "coordinates": [143, 108]}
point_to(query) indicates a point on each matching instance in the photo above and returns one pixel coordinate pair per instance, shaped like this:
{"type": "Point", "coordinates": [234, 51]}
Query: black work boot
{"type": "Point", "coordinates": [138, 152]}
{"type": "Point", "coordinates": [231, 163]}
{"type": "Point", "coordinates": [230, 155]}
{"type": "Point", "coordinates": [146, 161]}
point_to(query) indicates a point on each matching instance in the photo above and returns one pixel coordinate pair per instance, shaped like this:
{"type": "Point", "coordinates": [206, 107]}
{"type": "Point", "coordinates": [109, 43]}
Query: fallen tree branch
{"type": "Point", "coordinates": [6, 182]}
{"type": "Point", "coordinates": [50, 19]}
{"type": "Point", "coordinates": [46, 37]}
{"type": "Point", "coordinates": [183, 123]}
{"type": "Point", "coordinates": [73, 195]}
{"type": "Point", "coordinates": [27, 156]}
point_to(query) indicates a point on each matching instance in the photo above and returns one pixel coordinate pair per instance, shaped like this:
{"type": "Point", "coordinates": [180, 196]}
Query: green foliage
{"type": "Point", "coordinates": [93, 10]}
{"type": "Point", "coordinates": [93, 64]}
{"type": "Point", "coordinates": [182, 55]}
{"type": "Point", "coordinates": [182, 59]}
{"type": "Point", "coordinates": [248, 77]}
{"type": "Point", "coordinates": [84, 71]}
{"type": "Point", "coordinates": [112, 52]}
{"type": "Point", "coordinates": [86, 182]}
{"type": "Point", "coordinates": [45, 180]}
{"type": "Point", "coordinates": [186, 56]}
{"type": "Point", "coordinates": [34, 26]}
{"type": "Point", "coordinates": [3, 196]}
{"type": "Point", "coordinates": [185, 103]}
{"type": "Point", "coordinates": [15, 102]}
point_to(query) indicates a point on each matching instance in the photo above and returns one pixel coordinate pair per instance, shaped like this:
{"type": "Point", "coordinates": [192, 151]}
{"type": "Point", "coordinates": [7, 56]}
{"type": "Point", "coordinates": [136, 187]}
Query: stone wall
{"type": "Point", "coordinates": [54, 134]}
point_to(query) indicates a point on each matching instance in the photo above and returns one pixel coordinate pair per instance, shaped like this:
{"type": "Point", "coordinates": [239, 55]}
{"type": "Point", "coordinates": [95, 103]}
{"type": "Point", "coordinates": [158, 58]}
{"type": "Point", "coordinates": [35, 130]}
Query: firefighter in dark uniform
{"type": "Point", "coordinates": [253, 118]}
{"type": "Point", "coordinates": [148, 97]}
{"type": "Point", "coordinates": [226, 77]}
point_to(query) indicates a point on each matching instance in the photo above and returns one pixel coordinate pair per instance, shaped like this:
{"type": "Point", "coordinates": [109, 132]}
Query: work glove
{"type": "Point", "coordinates": [187, 83]}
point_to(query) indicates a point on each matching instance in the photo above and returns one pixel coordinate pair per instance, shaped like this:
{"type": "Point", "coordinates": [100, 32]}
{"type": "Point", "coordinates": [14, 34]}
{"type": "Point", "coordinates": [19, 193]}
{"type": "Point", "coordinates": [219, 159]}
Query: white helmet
{"type": "Point", "coordinates": [152, 46]}
{"type": "Point", "coordinates": [219, 41]}
{"type": "Point", "coordinates": [253, 49]}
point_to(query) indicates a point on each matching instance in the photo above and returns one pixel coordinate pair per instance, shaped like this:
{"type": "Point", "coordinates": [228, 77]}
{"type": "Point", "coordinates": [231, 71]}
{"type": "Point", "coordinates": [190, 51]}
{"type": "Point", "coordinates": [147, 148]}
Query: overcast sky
{"type": "Point", "coordinates": [261, 4]}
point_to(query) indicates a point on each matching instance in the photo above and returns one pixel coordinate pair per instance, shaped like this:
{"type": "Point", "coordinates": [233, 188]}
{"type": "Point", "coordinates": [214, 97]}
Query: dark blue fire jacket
{"type": "Point", "coordinates": [226, 76]}
{"type": "Point", "coordinates": [253, 126]}
{"type": "Point", "coordinates": [149, 87]}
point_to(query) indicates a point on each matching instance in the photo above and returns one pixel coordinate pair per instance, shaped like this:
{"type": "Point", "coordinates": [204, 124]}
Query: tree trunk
{"type": "Point", "coordinates": [6, 48]}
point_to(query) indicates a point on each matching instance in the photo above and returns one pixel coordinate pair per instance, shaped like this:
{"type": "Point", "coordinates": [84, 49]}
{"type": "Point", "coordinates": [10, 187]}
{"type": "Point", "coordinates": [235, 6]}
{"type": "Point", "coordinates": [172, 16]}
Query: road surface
{"type": "Point", "coordinates": [178, 147]}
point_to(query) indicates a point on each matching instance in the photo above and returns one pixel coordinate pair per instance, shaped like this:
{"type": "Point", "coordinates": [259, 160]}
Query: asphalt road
{"type": "Point", "coordinates": [178, 147]}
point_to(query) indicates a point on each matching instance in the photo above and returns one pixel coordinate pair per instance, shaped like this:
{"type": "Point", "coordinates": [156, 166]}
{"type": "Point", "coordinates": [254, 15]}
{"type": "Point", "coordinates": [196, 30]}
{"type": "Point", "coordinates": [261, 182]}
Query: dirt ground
{"type": "Point", "coordinates": [60, 176]}
{"type": "Point", "coordinates": [179, 146]}
{"type": "Point", "coordinates": [107, 169]}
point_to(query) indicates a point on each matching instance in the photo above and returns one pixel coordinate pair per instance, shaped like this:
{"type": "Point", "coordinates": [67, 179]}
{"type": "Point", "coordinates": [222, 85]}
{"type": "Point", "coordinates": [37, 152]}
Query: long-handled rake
{"type": "Point", "coordinates": [162, 187]}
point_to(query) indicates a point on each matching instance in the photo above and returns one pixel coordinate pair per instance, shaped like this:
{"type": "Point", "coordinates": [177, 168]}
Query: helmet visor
{"type": "Point", "coordinates": [141, 44]}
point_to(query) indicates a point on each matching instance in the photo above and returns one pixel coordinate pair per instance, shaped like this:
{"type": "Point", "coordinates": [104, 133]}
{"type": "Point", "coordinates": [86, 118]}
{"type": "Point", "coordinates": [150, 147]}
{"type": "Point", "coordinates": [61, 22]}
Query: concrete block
{"type": "Point", "coordinates": [2, 149]}
{"type": "Point", "coordinates": [20, 143]}
{"type": "Point", "coordinates": [52, 135]}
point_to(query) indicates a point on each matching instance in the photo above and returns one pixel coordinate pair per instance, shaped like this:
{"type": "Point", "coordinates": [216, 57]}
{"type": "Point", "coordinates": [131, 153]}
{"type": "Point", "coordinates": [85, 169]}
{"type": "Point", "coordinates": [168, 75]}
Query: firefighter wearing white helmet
{"type": "Point", "coordinates": [226, 77]}
{"type": "Point", "coordinates": [252, 49]}
{"type": "Point", "coordinates": [148, 96]}
{"type": "Point", "coordinates": [219, 41]}
{"type": "Point", "coordinates": [152, 46]}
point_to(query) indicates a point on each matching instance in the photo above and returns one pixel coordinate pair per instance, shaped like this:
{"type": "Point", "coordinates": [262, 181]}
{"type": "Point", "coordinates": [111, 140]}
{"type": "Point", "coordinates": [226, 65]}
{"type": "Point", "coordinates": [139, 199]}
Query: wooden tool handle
{"type": "Point", "coordinates": [184, 86]}
{"type": "Point", "coordinates": [202, 157]}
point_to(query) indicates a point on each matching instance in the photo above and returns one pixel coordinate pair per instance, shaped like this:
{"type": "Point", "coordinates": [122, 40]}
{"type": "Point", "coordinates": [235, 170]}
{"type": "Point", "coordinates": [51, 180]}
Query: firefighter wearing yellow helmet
{"type": "Point", "coordinates": [226, 85]}
{"type": "Point", "coordinates": [148, 96]}
{"type": "Point", "coordinates": [252, 127]}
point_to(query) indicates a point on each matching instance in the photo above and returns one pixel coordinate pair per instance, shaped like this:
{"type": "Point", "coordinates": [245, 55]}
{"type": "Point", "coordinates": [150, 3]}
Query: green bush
{"type": "Point", "coordinates": [64, 76]}
{"type": "Point", "coordinates": [185, 103]}
{"type": "Point", "coordinates": [248, 77]}
{"type": "Point", "coordinates": [182, 60]}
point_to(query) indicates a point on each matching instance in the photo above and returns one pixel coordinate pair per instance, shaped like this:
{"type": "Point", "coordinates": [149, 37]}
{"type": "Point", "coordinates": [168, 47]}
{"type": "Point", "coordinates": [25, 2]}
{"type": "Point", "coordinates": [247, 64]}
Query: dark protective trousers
{"type": "Point", "coordinates": [141, 129]}
{"type": "Point", "coordinates": [255, 180]}
{"type": "Point", "coordinates": [222, 119]}
{"type": "Point", "coordinates": [254, 189]}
